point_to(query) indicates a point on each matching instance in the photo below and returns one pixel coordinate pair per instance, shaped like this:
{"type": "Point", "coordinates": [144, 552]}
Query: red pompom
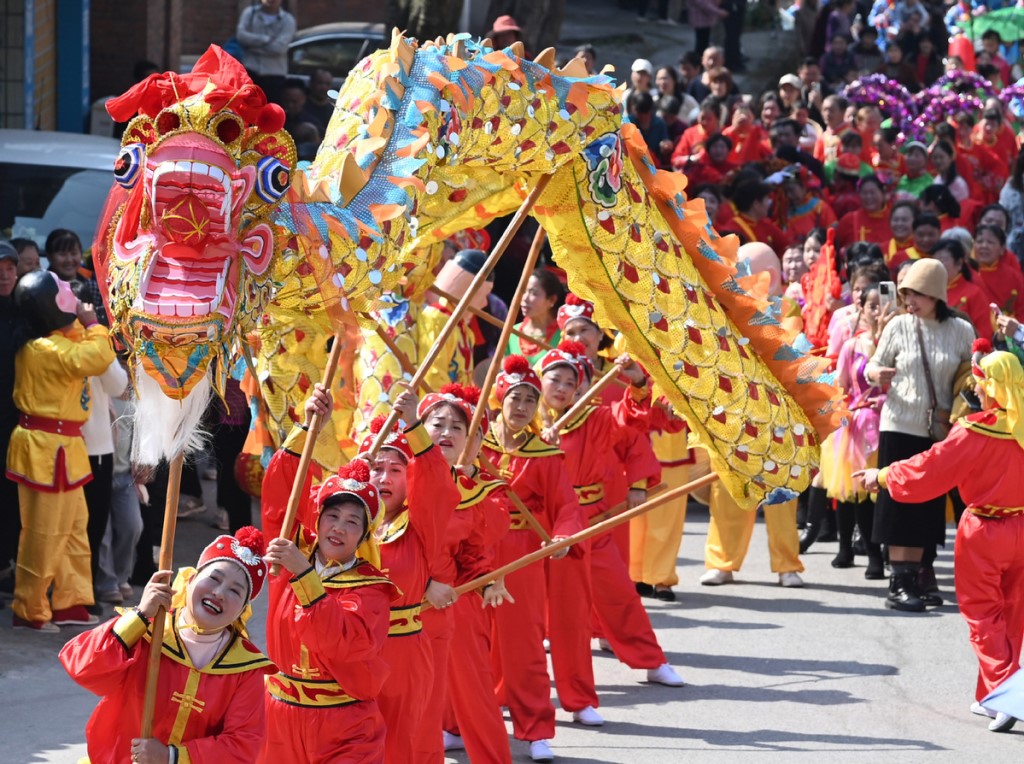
{"type": "Point", "coordinates": [572, 299]}
{"type": "Point", "coordinates": [572, 348]}
{"type": "Point", "coordinates": [377, 423]}
{"type": "Point", "coordinates": [252, 538]}
{"type": "Point", "coordinates": [355, 470]}
{"type": "Point", "coordinates": [271, 118]}
{"type": "Point", "coordinates": [515, 364]}
{"type": "Point", "coordinates": [452, 388]}
{"type": "Point", "coordinates": [981, 345]}
{"type": "Point", "coordinates": [471, 394]}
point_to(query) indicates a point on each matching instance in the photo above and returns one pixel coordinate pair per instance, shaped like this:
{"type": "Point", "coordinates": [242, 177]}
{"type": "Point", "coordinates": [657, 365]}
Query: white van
{"type": "Point", "coordinates": [53, 180]}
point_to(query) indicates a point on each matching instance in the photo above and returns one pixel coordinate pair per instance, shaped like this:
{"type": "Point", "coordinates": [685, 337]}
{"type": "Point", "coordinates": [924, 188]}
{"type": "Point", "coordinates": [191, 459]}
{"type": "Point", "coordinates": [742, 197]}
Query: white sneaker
{"type": "Point", "coordinates": [540, 750]}
{"type": "Point", "coordinates": [1002, 722]}
{"type": "Point", "coordinates": [453, 742]}
{"type": "Point", "coordinates": [547, 645]}
{"type": "Point", "coordinates": [126, 590]}
{"type": "Point", "coordinates": [605, 645]}
{"type": "Point", "coordinates": [980, 710]}
{"type": "Point", "coordinates": [588, 717]}
{"type": "Point", "coordinates": [665, 675]}
{"type": "Point", "coordinates": [790, 580]}
{"type": "Point", "coordinates": [715, 577]}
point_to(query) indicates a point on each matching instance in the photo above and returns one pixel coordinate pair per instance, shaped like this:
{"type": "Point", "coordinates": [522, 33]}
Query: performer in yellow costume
{"type": "Point", "coordinates": [731, 527]}
{"type": "Point", "coordinates": [47, 455]}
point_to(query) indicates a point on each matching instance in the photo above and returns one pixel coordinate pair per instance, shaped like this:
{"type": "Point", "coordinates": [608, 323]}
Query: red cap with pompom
{"type": "Point", "coordinates": [463, 397]}
{"type": "Point", "coordinates": [979, 349]}
{"type": "Point", "coordinates": [515, 371]}
{"type": "Point", "coordinates": [575, 307]}
{"type": "Point", "coordinates": [245, 549]}
{"type": "Point", "coordinates": [353, 480]}
{"type": "Point", "coordinates": [568, 353]}
{"type": "Point", "coordinates": [396, 440]}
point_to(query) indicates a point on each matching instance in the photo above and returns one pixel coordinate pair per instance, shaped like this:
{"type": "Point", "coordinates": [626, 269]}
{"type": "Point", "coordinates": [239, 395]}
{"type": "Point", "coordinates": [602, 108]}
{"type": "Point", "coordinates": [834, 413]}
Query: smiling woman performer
{"type": "Point", "coordinates": [329, 611]}
{"type": "Point", "coordinates": [209, 703]}
{"type": "Point", "coordinates": [461, 630]}
{"type": "Point", "coordinates": [536, 473]}
{"type": "Point", "coordinates": [419, 495]}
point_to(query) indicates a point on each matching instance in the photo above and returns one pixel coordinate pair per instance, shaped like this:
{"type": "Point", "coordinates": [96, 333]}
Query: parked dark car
{"type": "Point", "coordinates": [335, 47]}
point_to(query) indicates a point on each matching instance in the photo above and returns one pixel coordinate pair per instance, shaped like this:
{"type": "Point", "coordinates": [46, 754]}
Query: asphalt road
{"type": "Point", "coordinates": [824, 672]}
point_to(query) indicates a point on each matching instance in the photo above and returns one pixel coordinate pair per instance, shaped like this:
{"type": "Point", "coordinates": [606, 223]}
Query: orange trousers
{"type": "Point", "coordinates": [438, 626]}
{"type": "Point", "coordinates": [347, 735]}
{"type": "Point", "coordinates": [405, 694]}
{"type": "Point", "coordinates": [569, 613]}
{"type": "Point", "coordinates": [474, 710]}
{"type": "Point", "coordinates": [517, 647]}
{"type": "Point", "coordinates": [989, 563]}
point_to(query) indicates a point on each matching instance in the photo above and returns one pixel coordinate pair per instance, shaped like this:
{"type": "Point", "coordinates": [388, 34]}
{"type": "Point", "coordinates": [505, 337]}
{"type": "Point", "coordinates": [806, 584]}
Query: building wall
{"type": "Point", "coordinates": [122, 34]}
{"type": "Point", "coordinates": [28, 64]}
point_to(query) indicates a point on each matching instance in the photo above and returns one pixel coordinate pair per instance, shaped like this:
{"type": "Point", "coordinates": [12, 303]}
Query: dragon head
{"type": "Point", "coordinates": [187, 244]}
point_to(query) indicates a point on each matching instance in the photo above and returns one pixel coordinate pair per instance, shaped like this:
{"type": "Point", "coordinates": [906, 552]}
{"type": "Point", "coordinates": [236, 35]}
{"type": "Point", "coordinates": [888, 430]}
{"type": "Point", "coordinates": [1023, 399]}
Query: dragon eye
{"type": "Point", "coordinates": [272, 179]}
{"type": "Point", "coordinates": [128, 164]}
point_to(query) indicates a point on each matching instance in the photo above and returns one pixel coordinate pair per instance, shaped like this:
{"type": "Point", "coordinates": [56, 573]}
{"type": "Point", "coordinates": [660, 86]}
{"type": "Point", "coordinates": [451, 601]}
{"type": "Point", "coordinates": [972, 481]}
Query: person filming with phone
{"type": "Point", "coordinates": [916, 363]}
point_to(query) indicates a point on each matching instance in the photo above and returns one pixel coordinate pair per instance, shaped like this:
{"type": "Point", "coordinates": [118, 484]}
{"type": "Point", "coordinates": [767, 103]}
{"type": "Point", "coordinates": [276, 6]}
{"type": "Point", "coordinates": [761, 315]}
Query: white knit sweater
{"type": "Point", "coordinates": [948, 344]}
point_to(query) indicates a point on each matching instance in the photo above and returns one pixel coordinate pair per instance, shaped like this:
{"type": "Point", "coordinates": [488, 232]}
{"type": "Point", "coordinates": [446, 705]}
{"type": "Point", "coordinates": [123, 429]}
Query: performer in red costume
{"type": "Point", "coordinates": [536, 472]}
{"type": "Point", "coordinates": [209, 697]}
{"type": "Point", "coordinates": [590, 442]}
{"type": "Point", "coordinates": [329, 611]}
{"type": "Point", "coordinates": [415, 483]}
{"type": "Point", "coordinates": [467, 553]}
{"type": "Point", "coordinates": [983, 456]}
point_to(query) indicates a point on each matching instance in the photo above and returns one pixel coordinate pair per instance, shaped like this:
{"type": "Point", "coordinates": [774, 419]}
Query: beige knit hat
{"type": "Point", "coordinates": [928, 277]}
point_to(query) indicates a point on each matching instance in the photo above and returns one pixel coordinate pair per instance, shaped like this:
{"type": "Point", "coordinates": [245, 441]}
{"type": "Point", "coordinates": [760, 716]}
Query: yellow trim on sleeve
{"type": "Point", "coordinates": [639, 485]}
{"type": "Point", "coordinates": [130, 628]}
{"type": "Point", "coordinates": [296, 440]}
{"type": "Point", "coordinates": [183, 756]}
{"type": "Point", "coordinates": [419, 440]}
{"type": "Point", "coordinates": [308, 588]}
{"type": "Point", "coordinates": [883, 475]}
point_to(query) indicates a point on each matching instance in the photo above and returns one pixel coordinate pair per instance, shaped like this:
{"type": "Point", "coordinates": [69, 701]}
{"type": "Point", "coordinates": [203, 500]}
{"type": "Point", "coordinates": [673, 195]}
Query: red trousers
{"type": "Point", "coordinates": [517, 648]}
{"type": "Point", "coordinates": [351, 734]}
{"type": "Point", "coordinates": [989, 563]}
{"type": "Point", "coordinates": [405, 694]}
{"type": "Point", "coordinates": [621, 614]}
{"type": "Point", "coordinates": [569, 632]}
{"type": "Point", "coordinates": [437, 631]}
{"type": "Point", "coordinates": [477, 715]}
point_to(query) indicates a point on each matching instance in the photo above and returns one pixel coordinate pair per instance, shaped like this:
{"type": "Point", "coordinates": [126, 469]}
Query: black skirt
{"type": "Point", "coordinates": [898, 523]}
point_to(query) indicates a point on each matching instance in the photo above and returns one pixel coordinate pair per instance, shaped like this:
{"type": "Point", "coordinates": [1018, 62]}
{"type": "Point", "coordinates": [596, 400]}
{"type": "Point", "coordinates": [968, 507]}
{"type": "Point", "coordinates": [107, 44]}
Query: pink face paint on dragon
{"type": "Point", "coordinates": [202, 167]}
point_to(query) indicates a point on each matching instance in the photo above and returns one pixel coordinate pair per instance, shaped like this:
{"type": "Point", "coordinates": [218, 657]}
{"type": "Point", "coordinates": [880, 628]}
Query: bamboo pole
{"type": "Point", "coordinates": [166, 563]}
{"type": "Point", "coordinates": [622, 506]}
{"type": "Point", "coordinates": [586, 533]}
{"type": "Point", "coordinates": [573, 411]}
{"type": "Point", "coordinates": [483, 315]}
{"type": "Point", "coordinates": [506, 330]}
{"type": "Point", "coordinates": [460, 309]}
{"type": "Point", "coordinates": [307, 450]}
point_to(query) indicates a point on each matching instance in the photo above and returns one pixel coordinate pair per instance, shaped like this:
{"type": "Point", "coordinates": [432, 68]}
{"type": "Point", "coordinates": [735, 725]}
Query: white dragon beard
{"type": "Point", "coordinates": [165, 427]}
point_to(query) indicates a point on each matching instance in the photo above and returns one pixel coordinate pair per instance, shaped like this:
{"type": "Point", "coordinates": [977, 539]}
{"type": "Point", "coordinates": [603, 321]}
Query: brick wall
{"type": "Point", "coordinates": [121, 34]}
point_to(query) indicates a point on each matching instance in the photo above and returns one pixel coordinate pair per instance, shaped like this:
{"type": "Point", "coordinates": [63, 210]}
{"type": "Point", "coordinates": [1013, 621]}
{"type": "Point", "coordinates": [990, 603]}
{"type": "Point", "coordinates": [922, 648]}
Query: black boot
{"type": "Point", "coordinates": [828, 532]}
{"type": "Point", "coordinates": [801, 510]}
{"type": "Point", "coordinates": [875, 571]}
{"type": "Point", "coordinates": [816, 508]}
{"type": "Point", "coordinates": [902, 590]}
{"type": "Point", "coordinates": [928, 587]}
{"type": "Point", "coordinates": [846, 519]}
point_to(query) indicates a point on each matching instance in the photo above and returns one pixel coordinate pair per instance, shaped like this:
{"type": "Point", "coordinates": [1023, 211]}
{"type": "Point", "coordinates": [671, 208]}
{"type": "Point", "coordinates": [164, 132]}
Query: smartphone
{"type": "Point", "coordinates": [887, 296]}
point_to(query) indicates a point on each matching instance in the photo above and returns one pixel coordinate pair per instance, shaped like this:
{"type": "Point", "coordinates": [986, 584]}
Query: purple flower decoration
{"type": "Point", "coordinates": [942, 106]}
{"type": "Point", "coordinates": [1013, 99]}
{"type": "Point", "coordinates": [891, 98]}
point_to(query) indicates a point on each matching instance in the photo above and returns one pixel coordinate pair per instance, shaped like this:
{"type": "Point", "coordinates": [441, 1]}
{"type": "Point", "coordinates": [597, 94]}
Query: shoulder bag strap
{"type": "Point", "coordinates": [924, 360]}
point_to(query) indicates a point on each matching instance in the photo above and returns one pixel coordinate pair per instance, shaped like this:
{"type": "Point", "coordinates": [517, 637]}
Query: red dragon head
{"type": "Point", "coordinates": [186, 248]}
